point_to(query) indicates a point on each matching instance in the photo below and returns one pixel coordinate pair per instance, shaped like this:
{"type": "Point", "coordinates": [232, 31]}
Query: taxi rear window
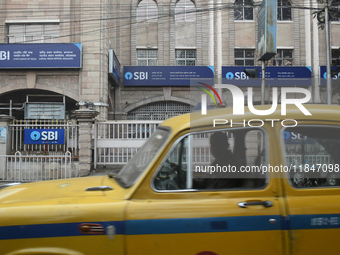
{"type": "Point", "coordinates": [312, 155]}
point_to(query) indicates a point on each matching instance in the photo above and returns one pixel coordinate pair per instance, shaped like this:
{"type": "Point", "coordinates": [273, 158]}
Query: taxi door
{"type": "Point", "coordinates": [183, 209]}
{"type": "Point", "coordinates": [312, 188]}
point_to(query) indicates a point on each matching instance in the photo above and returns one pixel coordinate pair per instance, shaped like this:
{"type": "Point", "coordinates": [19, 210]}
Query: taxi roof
{"type": "Point", "coordinates": [320, 112]}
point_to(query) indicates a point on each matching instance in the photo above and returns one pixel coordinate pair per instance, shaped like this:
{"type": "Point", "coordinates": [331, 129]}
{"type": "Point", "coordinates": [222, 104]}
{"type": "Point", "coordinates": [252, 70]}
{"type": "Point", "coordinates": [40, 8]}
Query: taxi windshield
{"type": "Point", "coordinates": [129, 174]}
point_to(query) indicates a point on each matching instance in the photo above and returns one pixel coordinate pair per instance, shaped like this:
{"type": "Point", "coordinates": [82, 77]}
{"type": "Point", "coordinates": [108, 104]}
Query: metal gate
{"type": "Point", "coordinates": [117, 141]}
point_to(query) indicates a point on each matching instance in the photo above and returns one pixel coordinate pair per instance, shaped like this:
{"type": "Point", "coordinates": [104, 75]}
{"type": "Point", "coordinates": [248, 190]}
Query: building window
{"type": "Point", "coordinates": [147, 57]}
{"type": "Point", "coordinates": [33, 33]}
{"type": "Point", "coordinates": [185, 11]}
{"type": "Point", "coordinates": [334, 11]}
{"type": "Point", "coordinates": [244, 10]}
{"type": "Point", "coordinates": [185, 57]}
{"type": "Point", "coordinates": [335, 56]}
{"type": "Point", "coordinates": [284, 10]}
{"type": "Point", "coordinates": [283, 58]}
{"type": "Point", "coordinates": [245, 57]}
{"type": "Point", "coordinates": [147, 10]}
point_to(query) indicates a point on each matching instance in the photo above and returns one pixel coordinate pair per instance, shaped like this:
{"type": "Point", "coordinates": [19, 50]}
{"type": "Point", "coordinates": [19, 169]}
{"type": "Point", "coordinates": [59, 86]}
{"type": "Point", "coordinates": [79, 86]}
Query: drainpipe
{"type": "Point", "coordinates": [101, 51]}
{"type": "Point", "coordinates": [316, 59]}
{"type": "Point", "coordinates": [219, 44]}
{"type": "Point", "coordinates": [211, 34]}
{"type": "Point", "coordinates": [308, 33]}
{"type": "Point", "coordinates": [328, 57]}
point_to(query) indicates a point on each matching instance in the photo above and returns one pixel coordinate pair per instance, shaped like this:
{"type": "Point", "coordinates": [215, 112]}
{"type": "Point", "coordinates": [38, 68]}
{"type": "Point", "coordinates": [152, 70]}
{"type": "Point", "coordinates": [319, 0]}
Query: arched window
{"type": "Point", "coordinates": [147, 10]}
{"type": "Point", "coordinates": [185, 11]}
{"type": "Point", "coordinates": [159, 111]}
{"type": "Point", "coordinates": [244, 10]}
{"type": "Point", "coordinates": [284, 10]}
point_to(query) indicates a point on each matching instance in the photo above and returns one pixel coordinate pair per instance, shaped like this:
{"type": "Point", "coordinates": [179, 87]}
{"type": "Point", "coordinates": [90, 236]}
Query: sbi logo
{"type": "Point", "coordinates": [334, 77]}
{"type": "Point", "coordinates": [229, 76]}
{"type": "Point", "coordinates": [44, 136]}
{"type": "Point", "coordinates": [293, 136]}
{"type": "Point", "coordinates": [237, 76]}
{"type": "Point", "coordinates": [128, 76]}
{"type": "Point", "coordinates": [286, 135]}
{"type": "Point", "coordinates": [136, 76]}
{"type": "Point", "coordinates": [35, 135]}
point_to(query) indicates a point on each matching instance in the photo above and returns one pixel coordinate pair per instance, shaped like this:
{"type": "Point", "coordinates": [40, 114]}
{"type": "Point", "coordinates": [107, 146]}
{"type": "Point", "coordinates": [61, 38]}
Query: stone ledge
{"type": "Point", "coordinates": [86, 115]}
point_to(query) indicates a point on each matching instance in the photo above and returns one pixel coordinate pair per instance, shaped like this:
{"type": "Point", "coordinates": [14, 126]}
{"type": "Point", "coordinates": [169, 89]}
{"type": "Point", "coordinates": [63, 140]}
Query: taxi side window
{"type": "Point", "coordinates": [214, 161]}
{"type": "Point", "coordinates": [312, 155]}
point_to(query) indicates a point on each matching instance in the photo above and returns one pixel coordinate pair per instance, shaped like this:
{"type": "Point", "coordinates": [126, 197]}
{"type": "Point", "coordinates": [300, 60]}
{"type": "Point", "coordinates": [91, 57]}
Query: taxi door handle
{"type": "Point", "coordinates": [264, 203]}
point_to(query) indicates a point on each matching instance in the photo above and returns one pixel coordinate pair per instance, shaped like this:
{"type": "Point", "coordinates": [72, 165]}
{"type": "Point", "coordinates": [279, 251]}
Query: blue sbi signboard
{"type": "Point", "coordinates": [167, 75]}
{"type": "Point", "coordinates": [114, 66]}
{"type": "Point", "coordinates": [40, 55]}
{"type": "Point", "coordinates": [275, 76]}
{"type": "Point", "coordinates": [44, 136]}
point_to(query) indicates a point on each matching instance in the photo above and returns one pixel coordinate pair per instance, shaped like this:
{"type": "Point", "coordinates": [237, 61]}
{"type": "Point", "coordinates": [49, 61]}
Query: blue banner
{"type": "Point", "coordinates": [289, 76]}
{"type": "Point", "coordinates": [40, 55]}
{"type": "Point", "coordinates": [167, 75]}
{"type": "Point", "coordinates": [114, 66]}
{"type": "Point", "coordinates": [44, 136]}
{"type": "Point", "coordinates": [323, 75]}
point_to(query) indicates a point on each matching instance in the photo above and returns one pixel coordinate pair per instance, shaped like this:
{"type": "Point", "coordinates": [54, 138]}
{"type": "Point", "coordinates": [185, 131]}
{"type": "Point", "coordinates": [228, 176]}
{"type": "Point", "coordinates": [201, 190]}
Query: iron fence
{"type": "Point", "coordinates": [28, 168]}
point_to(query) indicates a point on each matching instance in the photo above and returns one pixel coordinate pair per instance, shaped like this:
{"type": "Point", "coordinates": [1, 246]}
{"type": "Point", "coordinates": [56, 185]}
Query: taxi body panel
{"type": "Point", "coordinates": [45, 218]}
{"type": "Point", "coordinates": [178, 212]}
{"type": "Point", "coordinates": [314, 219]}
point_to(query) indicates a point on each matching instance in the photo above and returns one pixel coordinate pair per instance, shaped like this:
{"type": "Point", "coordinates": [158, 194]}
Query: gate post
{"type": "Point", "coordinates": [5, 142]}
{"type": "Point", "coordinates": [85, 118]}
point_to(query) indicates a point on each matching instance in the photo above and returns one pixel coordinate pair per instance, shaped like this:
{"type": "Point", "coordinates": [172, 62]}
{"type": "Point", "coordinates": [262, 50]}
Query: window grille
{"type": "Point", "coordinates": [335, 56]}
{"type": "Point", "coordinates": [283, 58]}
{"type": "Point", "coordinates": [33, 33]}
{"type": "Point", "coordinates": [147, 57]}
{"type": "Point", "coordinates": [244, 10]}
{"type": "Point", "coordinates": [334, 11]}
{"type": "Point", "coordinates": [244, 57]}
{"type": "Point", "coordinates": [159, 111]}
{"type": "Point", "coordinates": [284, 10]}
{"type": "Point", "coordinates": [185, 57]}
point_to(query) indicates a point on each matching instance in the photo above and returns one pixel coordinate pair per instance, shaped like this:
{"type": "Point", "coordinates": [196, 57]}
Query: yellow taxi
{"type": "Point", "coordinates": [207, 184]}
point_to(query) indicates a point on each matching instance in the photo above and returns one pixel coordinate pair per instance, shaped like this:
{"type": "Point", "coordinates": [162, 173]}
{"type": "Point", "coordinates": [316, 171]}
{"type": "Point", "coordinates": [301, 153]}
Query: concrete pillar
{"type": "Point", "coordinates": [4, 142]}
{"type": "Point", "coordinates": [85, 119]}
